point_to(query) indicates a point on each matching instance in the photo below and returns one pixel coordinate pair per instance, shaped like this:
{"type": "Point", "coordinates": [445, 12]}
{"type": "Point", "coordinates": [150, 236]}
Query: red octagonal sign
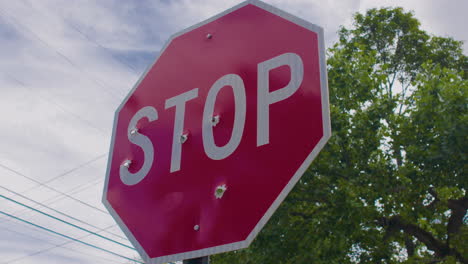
{"type": "Point", "coordinates": [216, 133]}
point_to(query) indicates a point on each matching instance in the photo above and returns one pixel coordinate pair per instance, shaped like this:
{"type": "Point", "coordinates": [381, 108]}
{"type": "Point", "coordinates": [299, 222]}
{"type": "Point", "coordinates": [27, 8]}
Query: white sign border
{"type": "Point", "coordinates": [301, 170]}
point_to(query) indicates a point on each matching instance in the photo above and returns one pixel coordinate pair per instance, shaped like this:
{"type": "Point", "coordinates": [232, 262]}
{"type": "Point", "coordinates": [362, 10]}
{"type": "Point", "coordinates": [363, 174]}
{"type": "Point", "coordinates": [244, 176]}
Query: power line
{"type": "Point", "coordinates": [74, 27]}
{"type": "Point", "coordinates": [69, 237]}
{"type": "Point", "coordinates": [44, 183]}
{"type": "Point", "coordinates": [65, 222]}
{"type": "Point", "coordinates": [74, 169]}
{"type": "Point", "coordinates": [59, 197]}
{"type": "Point", "coordinates": [55, 210]}
{"type": "Point", "coordinates": [49, 248]}
{"type": "Point", "coordinates": [14, 21]}
{"type": "Point", "coordinates": [77, 189]}
{"type": "Point", "coordinates": [69, 171]}
{"type": "Point", "coordinates": [65, 243]}
{"type": "Point", "coordinates": [87, 122]}
{"type": "Point", "coordinates": [53, 189]}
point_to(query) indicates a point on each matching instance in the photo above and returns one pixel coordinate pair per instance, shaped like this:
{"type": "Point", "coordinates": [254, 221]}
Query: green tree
{"type": "Point", "coordinates": [390, 186]}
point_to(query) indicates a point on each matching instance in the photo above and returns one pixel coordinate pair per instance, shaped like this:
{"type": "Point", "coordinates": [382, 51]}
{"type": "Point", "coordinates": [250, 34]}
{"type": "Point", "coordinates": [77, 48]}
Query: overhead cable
{"type": "Point", "coordinates": [14, 22]}
{"type": "Point", "coordinates": [57, 211]}
{"type": "Point", "coordinates": [49, 248]}
{"type": "Point", "coordinates": [53, 189]}
{"type": "Point", "coordinates": [69, 237]}
{"type": "Point", "coordinates": [65, 222]}
{"type": "Point", "coordinates": [64, 109]}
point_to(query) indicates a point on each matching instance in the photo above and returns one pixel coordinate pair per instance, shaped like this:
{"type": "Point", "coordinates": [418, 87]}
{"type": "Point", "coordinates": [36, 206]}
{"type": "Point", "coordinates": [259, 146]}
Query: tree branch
{"type": "Point", "coordinates": [441, 249]}
{"type": "Point", "coordinates": [458, 208]}
{"type": "Point", "coordinates": [390, 83]}
{"type": "Point", "coordinates": [403, 97]}
{"type": "Point", "coordinates": [410, 247]}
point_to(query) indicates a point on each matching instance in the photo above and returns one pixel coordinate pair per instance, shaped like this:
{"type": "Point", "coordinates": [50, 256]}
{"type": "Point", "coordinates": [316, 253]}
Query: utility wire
{"type": "Point", "coordinates": [65, 222]}
{"type": "Point", "coordinates": [53, 189]}
{"type": "Point", "coordinates": [49, 248]}
{"type": "Point", "coordinates": [5, 167]}
{"type": "Point", "coordinates": [13, 21]}
{"type": "Point", "coordinates": [55, 210]}
{"type": "Point", "coordinates": [52, 102]}
{"type": "Point", "coordinates": [69, 171]}
{"type": "Point", "coordinates": [77, 189]}
{"type": "Point", "coordinates": [79, 166]}
{"type": "Point", "coordinates": [69, 60]}
{"type": "Point", "coordinates": [74, 27]}
{"type": "Point", "coordinates": [69, 237]}
{"type": "Point", "coordinates": [59, 197]}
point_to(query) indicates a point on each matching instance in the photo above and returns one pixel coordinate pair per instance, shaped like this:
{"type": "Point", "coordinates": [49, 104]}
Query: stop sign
{"type": "Point", "coordinates": [216, 133]}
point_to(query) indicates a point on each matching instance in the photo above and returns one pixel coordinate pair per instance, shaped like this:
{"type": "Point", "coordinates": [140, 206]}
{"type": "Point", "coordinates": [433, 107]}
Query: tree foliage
{"type": "Point", "coordinates": [390, 186]}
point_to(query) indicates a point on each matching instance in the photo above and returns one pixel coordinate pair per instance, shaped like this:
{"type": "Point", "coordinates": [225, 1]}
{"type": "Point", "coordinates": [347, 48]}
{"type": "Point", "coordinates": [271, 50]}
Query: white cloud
{"type": "Point", "coordinates": [66, 65]}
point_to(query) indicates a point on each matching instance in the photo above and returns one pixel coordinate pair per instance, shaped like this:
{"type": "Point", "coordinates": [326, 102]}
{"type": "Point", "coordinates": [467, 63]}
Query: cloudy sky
{"type": "Point", "coordinates": [64, 68]}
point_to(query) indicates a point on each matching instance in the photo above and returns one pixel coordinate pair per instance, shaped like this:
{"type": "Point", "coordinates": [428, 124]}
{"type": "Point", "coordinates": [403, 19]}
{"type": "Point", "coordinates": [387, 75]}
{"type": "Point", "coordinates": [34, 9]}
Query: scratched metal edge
{"type": "Point", "coordinates": [326, 135]}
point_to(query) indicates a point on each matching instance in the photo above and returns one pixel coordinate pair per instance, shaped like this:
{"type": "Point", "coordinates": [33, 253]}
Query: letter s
{"type": "Point", "coordinates": [144, 143]}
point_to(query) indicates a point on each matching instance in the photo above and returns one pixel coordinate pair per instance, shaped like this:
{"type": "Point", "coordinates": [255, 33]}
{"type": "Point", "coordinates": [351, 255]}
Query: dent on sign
{"type": "Point", "coordinates": [213, 151]}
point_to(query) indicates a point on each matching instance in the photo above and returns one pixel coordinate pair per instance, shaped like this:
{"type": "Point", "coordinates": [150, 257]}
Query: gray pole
{"type": "Point", "coordinates": [202, 260]}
